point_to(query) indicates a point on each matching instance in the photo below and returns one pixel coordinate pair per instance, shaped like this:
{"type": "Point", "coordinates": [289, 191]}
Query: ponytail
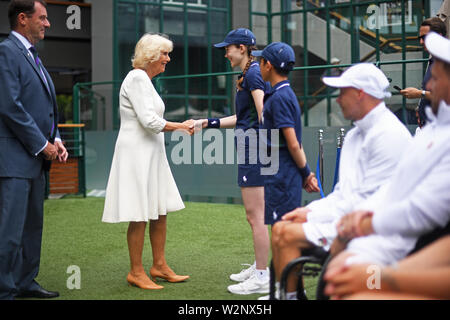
{"type": "Point", "coordinates": [247, 66]}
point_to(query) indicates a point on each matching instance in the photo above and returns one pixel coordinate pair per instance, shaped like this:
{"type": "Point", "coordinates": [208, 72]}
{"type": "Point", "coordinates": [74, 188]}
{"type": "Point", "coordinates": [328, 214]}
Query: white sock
{"type": "Point", "coordinates": [291, 295]}
{"type": "Point", "coordinates": [277, 290]}
{"type": "Point", "coordinates": [262, 274]}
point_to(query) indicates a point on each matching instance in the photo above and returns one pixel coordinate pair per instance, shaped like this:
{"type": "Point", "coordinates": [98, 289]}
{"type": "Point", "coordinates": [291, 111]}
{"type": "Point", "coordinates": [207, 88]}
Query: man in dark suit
{"type": "Point", "coordinates": [29, 141]}
{"type": "Point", "coordinates": [434, 24]}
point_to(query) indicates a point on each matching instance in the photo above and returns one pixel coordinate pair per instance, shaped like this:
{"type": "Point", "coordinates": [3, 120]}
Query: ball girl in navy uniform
{"type": "Point", "coordinates": [250, 89]}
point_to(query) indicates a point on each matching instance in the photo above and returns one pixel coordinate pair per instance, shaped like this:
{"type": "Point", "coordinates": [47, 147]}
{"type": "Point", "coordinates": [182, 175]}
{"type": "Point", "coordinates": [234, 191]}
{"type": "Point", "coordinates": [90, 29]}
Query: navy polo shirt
{"type": "Point", "coordinates": [249, 168]}
{"type": "Point", "coordinates": [246, 114]}
{"type": "Point", "coordinates": [283, 190]}
{"type": "Point", "coordinates": [281, 110]}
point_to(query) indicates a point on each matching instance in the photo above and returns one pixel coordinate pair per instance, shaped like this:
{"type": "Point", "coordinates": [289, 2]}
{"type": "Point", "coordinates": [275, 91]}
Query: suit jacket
{"type": "Point", "coordinates": [28, 111]}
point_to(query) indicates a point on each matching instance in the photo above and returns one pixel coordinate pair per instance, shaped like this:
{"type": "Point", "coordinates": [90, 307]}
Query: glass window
{"type": "Point", "coordinates": [345, 32]}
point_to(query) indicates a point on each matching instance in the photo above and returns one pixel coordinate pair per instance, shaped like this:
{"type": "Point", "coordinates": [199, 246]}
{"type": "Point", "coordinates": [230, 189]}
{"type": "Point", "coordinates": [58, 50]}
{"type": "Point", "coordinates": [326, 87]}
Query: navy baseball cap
{"type": "Point", "coordinates": [280, 55]}
{"type": "Point", "coordinates": [238, 36]}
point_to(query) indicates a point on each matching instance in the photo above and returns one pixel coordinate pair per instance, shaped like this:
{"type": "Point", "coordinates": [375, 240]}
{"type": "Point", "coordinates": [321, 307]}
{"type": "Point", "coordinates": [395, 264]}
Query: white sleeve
{"type": "Point", "coordinates": [425, 209]}
{"type": "Point", "coordinates": [381, 156]}
{"type": "Point", "coordinates": [140, 94]}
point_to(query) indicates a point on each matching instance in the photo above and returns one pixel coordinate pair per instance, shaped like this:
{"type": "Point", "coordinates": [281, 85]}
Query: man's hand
{"type": "Point", "coordinates": [336, 266]}
{"type": "Point", "coordinates": [411, 93]}
{"type": "Point", "coordinates": [298, 215]}
{"type": "Point", "coordinates": [349, 226]}
{"type": "Point", "coordinates": [50, 152]}
{"type": "Point", "coordinates": [311, 184]}
{"type": "Point", "coordinates": [62, 151]}
{"type": "Point", "coordinates": [349, 280]}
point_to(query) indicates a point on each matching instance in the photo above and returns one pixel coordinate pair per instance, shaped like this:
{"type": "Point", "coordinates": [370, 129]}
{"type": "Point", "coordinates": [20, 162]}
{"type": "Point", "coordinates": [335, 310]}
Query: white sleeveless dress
{"type": "Point", "coordinates": [140, 185]}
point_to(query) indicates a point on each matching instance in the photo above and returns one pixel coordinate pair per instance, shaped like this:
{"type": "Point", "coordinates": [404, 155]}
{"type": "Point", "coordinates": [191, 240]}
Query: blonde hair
{"type": "Point", "coordinates": [149, 48]}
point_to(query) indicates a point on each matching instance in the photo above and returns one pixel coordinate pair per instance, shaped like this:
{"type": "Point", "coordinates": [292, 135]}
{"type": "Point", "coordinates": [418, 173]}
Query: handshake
{"type": "Point", "coordinates": [192, 126]}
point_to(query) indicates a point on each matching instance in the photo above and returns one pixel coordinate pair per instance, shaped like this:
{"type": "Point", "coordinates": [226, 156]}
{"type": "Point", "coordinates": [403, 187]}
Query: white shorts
{"type": "Point", "coordinates": [381, 250]}
{"type": "Point", "coordinates": [321, 234]}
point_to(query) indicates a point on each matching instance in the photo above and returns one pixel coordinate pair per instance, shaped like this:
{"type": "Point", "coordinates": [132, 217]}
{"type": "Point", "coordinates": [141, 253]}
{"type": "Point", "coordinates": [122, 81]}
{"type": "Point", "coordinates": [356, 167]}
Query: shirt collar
{"type": "Point", "coordinates": [280, 84]}
{"type": "Point", "coordinates": [22, 39]}
{"type": "Point", "coordinates": [369, 119]}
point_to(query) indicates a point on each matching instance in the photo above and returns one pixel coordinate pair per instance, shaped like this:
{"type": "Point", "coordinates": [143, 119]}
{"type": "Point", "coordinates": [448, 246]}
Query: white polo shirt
{"type": "Point", "coordinates": [417, 198]}
{"type": "Point", "coordinates": [369, 155]}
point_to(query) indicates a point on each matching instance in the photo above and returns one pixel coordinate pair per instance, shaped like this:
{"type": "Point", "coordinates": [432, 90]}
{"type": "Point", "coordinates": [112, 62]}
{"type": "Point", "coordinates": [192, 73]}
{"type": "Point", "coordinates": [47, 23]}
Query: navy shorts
{"type": "Point", "coordinates": [249, 175]}
{"type": "Point", "coordinates": [282, 194]}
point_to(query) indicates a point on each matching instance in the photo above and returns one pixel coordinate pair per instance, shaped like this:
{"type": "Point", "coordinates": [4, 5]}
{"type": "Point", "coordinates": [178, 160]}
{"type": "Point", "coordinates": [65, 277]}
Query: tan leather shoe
{"type": "Point", "coordinates": [142, 281]}
{"type": "Point", "coordinates": [169, 276]}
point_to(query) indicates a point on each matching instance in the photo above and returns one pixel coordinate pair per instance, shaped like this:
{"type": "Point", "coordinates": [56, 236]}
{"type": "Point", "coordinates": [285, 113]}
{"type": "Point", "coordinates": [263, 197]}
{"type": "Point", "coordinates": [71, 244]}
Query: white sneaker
{"type": "Point", "coordinates": [277, 296]}
{"type": "Point", "coordinates": [249, 286]}
{"type": "Point", "coordinates": [244, 274]}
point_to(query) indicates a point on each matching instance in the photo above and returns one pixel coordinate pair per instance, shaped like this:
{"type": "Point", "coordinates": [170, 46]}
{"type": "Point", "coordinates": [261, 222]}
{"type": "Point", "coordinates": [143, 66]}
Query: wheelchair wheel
{"type": "Point", "coordinates": [320, 291]}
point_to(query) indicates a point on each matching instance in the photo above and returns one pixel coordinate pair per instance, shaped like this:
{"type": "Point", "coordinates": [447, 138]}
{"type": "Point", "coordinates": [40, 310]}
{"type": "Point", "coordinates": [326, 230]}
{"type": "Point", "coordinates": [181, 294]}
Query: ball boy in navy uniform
{"type": "Point", "coordinates": [283, 189]}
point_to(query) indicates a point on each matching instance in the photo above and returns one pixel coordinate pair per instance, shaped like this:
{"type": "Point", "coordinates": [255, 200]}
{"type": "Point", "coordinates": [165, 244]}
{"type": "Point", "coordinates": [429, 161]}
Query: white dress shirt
{"type": "Point", "coordinates": [369, 155]}
{"type": "Point", "coordinates": [417, 198]}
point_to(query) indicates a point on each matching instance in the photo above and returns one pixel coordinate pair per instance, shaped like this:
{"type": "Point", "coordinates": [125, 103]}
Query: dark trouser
{"type": "Point", "coordinates": [21, 221]}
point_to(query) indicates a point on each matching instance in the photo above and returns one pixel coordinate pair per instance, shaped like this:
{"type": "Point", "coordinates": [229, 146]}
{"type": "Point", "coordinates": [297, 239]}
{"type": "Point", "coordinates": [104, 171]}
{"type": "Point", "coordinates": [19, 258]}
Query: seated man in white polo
{"type": "Point", "coordinates": [370, 153]}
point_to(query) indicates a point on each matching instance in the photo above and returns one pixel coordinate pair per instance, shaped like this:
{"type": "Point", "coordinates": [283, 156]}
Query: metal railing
{"type": "Point", "coordinates": [304, 99]}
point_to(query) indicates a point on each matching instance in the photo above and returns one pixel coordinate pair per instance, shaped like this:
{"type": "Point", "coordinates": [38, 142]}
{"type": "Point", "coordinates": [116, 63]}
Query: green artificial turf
{"type": "Point", "coordinates": [206, 241]}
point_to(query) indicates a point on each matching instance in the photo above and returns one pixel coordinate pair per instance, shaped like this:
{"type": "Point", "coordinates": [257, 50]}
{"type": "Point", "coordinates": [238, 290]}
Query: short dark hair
{"type": "Point", "coordinates": [436, 25]}
{"type": "Point", "coordinates": [17, 7]}
{"type": "Point", "coordinates": [281, 72]}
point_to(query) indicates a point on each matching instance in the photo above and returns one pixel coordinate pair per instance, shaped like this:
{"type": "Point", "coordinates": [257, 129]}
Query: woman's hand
{"type": "Point", "coordinates": [200, 124]}
{"type": "Point", "coordinates": [188, 126]}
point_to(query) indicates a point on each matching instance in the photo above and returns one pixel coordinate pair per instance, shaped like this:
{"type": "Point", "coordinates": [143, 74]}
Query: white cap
{"type": "Point", "coordinates": [438, 46]}
{"type": "Point", "coordinates": [364, 76]}
{"type": "Point", "coordinates": [335, 60]}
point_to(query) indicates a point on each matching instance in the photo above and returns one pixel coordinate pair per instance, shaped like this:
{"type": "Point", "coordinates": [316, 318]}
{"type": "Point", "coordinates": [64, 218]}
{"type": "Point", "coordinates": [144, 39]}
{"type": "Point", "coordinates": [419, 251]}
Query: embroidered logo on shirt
{"type": "Point", "coordinates": [430, 145]}
{"type": "Point", "coordinates": [275, 215]}
{"type": "Point", "coordinates": [323, 242]}
{"type": "Point", "coordinates": [244, 178]}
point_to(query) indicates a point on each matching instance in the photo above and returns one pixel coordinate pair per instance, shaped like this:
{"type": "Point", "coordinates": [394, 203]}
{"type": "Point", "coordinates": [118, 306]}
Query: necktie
{"type": "Point", "coordinates": [35, 55]}
{"type": "Point", "coordinates": [38, 64]}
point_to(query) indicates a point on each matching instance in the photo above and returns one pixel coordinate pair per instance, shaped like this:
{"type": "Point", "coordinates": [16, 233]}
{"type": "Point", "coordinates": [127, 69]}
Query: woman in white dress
{"type": "Point", "coordinates": [141, 186]}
